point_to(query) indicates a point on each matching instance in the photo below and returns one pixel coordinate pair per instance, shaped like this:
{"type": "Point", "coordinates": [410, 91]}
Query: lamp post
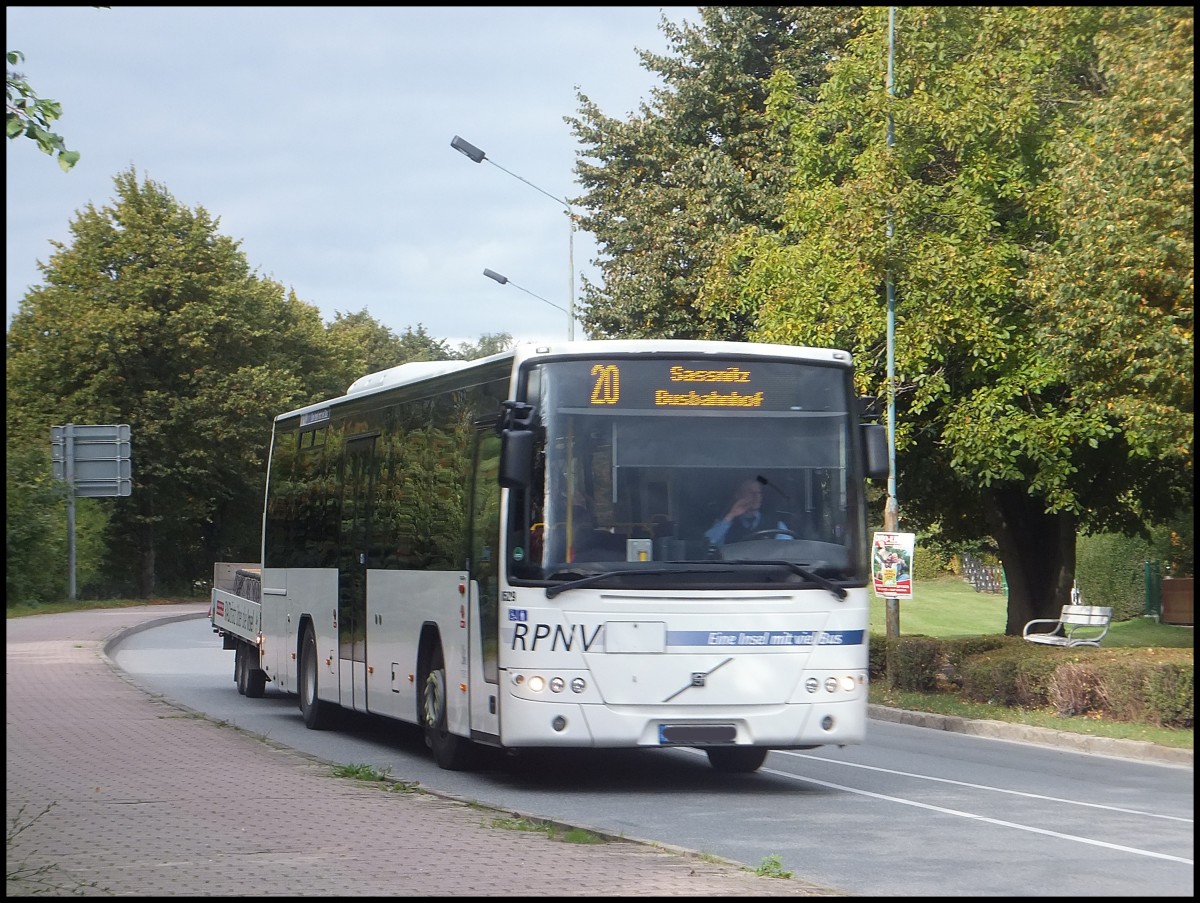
{"type": "Point", "coordinates": [504, 280]}
{"type": "Point", "coordinates": [891, 514]}
{"type": "Point", "coordinates": [475, 155]}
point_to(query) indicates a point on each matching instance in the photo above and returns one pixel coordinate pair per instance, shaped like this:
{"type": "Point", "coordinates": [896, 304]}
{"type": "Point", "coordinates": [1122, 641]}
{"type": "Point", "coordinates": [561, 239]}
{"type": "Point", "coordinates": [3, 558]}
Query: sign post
{"type": "Point", "coordinates": [94, 461]}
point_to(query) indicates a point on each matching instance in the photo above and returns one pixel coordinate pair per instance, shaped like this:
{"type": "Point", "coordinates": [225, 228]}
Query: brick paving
{"type": "Point", "coordinates": [110, 791]}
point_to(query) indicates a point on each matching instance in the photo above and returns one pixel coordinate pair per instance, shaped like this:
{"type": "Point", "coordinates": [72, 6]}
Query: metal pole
{"type": "Point", "coordinates": [891, 514]}
{"type": "Point", "coordinates": [69, 472]}
{"type": "Point", "coordinates": [571, 282]}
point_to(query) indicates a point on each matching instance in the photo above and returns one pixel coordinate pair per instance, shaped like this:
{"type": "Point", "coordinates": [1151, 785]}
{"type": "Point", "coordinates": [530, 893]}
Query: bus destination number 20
{"type": "Point", "coordinates": [607, 389]}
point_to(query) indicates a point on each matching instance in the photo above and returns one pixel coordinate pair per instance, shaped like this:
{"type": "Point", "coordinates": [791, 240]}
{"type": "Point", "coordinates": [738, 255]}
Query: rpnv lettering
{"type": "Point", "coordinates": [560, 640]}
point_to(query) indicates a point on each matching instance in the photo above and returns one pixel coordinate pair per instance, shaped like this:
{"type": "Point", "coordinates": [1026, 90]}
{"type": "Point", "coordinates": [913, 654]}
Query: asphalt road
{"type": "Point", "coordinates": [915, 811]}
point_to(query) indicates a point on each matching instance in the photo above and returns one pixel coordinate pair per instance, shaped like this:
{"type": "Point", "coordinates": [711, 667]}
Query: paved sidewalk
{"type": "Point", "coordinates": [110, 791]}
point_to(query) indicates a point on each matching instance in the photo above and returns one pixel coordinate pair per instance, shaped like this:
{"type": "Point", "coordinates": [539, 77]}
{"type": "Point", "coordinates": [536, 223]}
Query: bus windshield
{"type": "Point", "coordinates": [676, 463]}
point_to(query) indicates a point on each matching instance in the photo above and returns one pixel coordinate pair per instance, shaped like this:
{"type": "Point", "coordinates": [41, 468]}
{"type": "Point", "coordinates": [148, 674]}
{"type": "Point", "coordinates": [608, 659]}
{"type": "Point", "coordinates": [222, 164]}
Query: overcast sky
{"type": "Point", "coordinates": [320, 138]}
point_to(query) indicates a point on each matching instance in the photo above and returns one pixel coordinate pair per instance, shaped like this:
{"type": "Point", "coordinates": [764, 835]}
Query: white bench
{"type": "Point", "coordinates": [1078, 625]}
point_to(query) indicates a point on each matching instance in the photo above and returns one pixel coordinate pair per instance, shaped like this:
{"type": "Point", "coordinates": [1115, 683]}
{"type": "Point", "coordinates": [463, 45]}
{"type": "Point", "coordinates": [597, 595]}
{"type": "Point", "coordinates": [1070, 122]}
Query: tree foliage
{"type": "Point", "coordinates": [151, 318]}
{"type": "Point", "coordinates": [1120, 281]}
{"type": "Point", "coordinates": [489, 343]}
{"type": "Point", "coordinates": [1043, 332]}
{"type": "Point", "coordinates": [669, 186]}
{"type": "Point", "coordinates": [27, 114]}
{"type": "Point", "coordinates": [37, 567]}
{"type": "Point", "coordinates": [360, 344]}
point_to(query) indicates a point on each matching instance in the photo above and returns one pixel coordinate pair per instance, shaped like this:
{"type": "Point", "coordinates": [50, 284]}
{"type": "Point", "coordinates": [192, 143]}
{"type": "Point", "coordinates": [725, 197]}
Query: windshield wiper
{"type": "Point", "coordinates": [552, 591]}
{"type": "Point", "coordinates": [801, 571]}
{"type": "Point", "coordinates": [798, 569]}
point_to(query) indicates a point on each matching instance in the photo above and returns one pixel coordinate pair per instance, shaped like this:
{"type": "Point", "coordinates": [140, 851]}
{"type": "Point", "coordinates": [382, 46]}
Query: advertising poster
{"type": "Point", "coordinates": [891, 564]}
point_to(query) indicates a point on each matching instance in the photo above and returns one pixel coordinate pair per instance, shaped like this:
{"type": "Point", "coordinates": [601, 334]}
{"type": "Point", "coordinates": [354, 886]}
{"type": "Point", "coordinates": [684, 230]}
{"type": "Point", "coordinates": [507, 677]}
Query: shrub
{"type": "Point", "coordinates": [1075, 689]}
{"type": "Point", "coordinates": [1136, 684]}
{"type": "Point", "coordinates": [1032, 679]}
{"type": "Point", "coordinates": [959, 649]}
{"type": "Point", "coordinates": [930, 562]}
{"type": "Point", "coordinates": [1110, 570]}
{"type": "Point", "coordinates": [1161, 693]}
{"type": "Point", "coordinates": [916, 661]}
{"type": "Point", "coordinates": [1009, 676]}
{"type": "Point", "coordinates": [877, 653]}
{"type": "Point", "coordinates": [1171, 695]}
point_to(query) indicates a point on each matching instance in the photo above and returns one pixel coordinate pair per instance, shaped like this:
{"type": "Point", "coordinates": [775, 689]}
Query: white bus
{"type": "Point", "coordinates": [512, 552]}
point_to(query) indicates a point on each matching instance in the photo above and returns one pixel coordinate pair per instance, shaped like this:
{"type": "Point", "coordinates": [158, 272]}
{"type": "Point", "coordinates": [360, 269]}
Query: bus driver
{"type": "Point", "coordinates": [744, 517]}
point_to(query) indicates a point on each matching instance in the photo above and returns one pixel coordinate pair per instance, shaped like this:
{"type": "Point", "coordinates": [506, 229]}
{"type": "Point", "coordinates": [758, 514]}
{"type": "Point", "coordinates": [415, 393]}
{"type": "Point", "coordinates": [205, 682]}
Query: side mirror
{"type": "Point", "coordinates": [516, 458]}
{"type": "Point", "coordinates": [876, 451]}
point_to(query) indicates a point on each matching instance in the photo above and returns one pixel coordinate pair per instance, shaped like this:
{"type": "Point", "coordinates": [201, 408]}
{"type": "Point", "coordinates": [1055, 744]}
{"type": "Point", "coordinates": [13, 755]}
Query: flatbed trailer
{"type": "Point", "coordinates": [236, 616]}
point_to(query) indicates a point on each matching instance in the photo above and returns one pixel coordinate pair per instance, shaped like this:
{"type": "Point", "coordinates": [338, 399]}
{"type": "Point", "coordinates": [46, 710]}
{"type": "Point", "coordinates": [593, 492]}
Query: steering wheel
{"type": "Point", "coordinates": [767, 534]}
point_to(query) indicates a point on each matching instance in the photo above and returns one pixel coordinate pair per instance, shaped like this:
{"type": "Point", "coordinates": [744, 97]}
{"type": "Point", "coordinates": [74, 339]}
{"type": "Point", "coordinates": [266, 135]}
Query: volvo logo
{"type": "Point", "coordinates": [698, 679]}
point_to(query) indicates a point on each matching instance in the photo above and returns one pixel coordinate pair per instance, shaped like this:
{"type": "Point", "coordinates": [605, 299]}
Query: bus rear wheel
{"type": "Point", "coordinates": [450, 751]}
{"type": "Point", "coordinates": [736, 759]}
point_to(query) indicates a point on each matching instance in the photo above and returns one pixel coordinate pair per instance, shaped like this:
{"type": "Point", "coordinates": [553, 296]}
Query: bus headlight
{"type": "Point", "coordinates": [537, 683]}
{"type": "Point", "coordinates": [557, 684]}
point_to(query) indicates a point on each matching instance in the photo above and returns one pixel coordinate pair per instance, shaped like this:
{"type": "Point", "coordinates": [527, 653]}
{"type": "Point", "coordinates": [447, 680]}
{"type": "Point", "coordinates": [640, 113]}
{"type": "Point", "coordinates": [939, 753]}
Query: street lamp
{"type": "Point", "coordinates": [504, 280]}
{"type": "Point", "coordinates": [891, 514]}
{"type": "Point", "coordinates": [475, 155]}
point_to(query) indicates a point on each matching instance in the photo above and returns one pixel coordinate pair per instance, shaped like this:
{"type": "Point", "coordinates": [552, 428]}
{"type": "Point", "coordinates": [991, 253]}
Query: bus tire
{"type": "Point", "coordinates": [318, 715]}
{"type": "Point", "coordinates": [450, 751]}
{"type": "Point", "coordinates": [736, 759]}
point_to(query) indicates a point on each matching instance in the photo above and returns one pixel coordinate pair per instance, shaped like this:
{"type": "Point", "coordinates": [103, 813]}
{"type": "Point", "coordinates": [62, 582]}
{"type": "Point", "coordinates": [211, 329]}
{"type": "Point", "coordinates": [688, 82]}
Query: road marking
{"type": "Point", "coordinates": [1035, 796]}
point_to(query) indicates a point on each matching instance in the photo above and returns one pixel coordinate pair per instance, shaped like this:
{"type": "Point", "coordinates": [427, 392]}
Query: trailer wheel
{"type": "Point", "coordinates": [450, 751]}
{"type": "Point", "coordinates": [736, 759]}
{"type": "Point", "coordinates": [240, 665]}
{"type": "Point", "coordinates": [318, 715]}
{"type": "Point", "coordinates": [256, 678]}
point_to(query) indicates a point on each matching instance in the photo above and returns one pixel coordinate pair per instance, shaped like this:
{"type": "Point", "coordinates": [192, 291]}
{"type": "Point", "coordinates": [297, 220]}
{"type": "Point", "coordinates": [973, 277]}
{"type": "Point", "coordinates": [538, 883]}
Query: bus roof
{"type": "Point", "coordinates": [415, 371]}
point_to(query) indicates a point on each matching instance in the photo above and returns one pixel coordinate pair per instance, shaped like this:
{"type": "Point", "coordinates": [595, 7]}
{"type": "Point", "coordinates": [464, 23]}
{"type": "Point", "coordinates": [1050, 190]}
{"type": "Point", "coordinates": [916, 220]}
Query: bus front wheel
{"type": "Point", "coordinates": [450, 751]}
{"type": "Point", "coordinates": [736, 759]}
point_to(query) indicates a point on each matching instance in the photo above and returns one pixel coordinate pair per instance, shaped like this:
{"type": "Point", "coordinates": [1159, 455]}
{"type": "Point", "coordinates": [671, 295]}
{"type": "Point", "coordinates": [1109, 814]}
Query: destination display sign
{"type": "Point", "coordinates": [666, 384]}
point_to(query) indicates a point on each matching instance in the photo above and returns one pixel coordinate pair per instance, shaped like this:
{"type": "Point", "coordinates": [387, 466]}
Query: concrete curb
{"type": "Point", "coordinates": [1024, 733]}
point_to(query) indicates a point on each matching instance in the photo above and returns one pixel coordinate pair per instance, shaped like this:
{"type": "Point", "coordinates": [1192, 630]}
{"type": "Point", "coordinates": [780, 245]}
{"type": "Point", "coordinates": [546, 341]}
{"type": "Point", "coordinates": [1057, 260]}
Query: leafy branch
{"type": "Point", "coordinates": [27, 114]}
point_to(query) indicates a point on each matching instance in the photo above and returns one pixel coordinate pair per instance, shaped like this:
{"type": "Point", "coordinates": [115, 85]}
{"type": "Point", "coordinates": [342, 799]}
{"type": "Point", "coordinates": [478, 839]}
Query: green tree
{"type": "Point", "coordinates": [36, 559]}
{"type": "Point", "coordinates": [1120, 288]}
{"type": "Point", "coordinates": [489, 343]}
{"type": "Point", "coordinates": [27, 114]}
{"type": "Point", "coordinates": [362, 345]}
{"type": "Point", "coordinates": [959, 213]}
{"type": "Point", "coordinates": [667, 188]}
{"type": "Point", "coordinates": [418, 345]}
{"type": "Point", "coordinates": [152, 318]}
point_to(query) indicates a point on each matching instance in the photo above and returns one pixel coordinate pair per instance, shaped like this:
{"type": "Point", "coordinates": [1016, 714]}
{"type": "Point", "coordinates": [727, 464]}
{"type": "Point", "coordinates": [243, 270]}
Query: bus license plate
{"type": "Point", "coordinates": [694, 734]}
